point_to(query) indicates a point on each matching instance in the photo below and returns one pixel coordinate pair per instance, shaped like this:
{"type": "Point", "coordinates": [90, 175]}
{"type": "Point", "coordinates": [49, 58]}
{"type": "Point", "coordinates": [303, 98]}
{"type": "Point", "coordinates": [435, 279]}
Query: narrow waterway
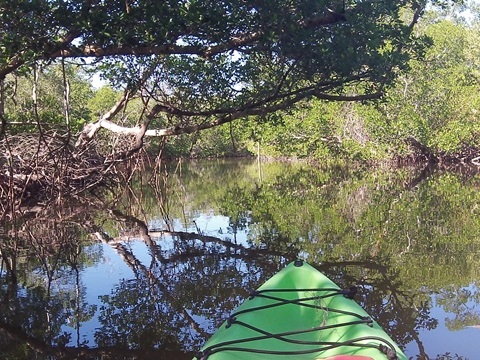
{"type": "Point", "coordinates": [151, 269]}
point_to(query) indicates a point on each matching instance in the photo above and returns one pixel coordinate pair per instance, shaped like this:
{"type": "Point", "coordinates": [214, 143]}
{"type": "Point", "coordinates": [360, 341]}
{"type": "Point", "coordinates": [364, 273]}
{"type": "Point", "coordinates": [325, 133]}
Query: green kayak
{"type": "Point", "coordinates": [300, 314]}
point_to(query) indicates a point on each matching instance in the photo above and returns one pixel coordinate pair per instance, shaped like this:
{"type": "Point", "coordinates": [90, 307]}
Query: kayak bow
{"type": "Point", "coordinates": [299, 313]}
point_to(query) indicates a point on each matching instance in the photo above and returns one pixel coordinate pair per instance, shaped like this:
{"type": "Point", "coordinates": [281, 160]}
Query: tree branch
{"type": "Point", "coordinates": [90, 130]}
{"type": "Point", "coordinates": [141, 131]}
{"type": "Point", "coordinates": [53, 48]}
{"type": "Point", "coordinates": [65, 49]}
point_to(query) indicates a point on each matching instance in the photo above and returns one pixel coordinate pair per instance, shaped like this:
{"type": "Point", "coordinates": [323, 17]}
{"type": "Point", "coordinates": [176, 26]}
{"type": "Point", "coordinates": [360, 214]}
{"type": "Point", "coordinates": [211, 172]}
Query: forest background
{"type": "Point", "coordinates": [429, 112]}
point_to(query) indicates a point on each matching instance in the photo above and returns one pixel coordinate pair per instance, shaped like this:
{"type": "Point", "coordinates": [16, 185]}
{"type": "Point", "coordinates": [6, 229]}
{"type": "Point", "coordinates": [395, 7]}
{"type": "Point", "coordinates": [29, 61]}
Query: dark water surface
{"type": "Point", "coordinates": [149, 271]}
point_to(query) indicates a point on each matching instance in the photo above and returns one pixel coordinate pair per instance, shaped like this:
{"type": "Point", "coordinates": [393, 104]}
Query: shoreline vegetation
{"type": "Point", "coordinates": [36, 170]}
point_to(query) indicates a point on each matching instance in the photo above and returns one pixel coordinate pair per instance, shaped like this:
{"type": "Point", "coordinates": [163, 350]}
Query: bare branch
{"type": "Point", "coordinates": [257, 109]}
{"type": "Point", "coordinates": [91, 129]}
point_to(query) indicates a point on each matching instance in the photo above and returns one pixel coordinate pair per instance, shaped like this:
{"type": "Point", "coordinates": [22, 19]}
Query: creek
{"type": "Point", "coordinates": [151, 269]}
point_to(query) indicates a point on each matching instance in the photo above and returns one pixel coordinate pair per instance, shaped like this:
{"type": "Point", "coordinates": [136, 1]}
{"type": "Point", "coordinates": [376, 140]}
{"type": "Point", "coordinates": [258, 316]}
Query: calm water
{"type": "Point", "coordinates": [149, 271]}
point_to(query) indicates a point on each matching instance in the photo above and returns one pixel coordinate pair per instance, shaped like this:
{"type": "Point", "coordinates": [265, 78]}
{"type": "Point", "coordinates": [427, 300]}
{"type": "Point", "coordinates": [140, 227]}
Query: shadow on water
{"type": "Point", "coordinates": [152, 269]}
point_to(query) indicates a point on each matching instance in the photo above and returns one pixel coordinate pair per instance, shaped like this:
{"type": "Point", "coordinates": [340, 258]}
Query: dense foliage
{"type": "Point", "coordinates": [192, 65]}
{"type": "Point", "coordinates": [436, 101]}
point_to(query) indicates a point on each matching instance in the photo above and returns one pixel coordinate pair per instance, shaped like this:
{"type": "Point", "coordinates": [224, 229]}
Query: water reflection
{"type": "Point", "coordinates": [152, 270]}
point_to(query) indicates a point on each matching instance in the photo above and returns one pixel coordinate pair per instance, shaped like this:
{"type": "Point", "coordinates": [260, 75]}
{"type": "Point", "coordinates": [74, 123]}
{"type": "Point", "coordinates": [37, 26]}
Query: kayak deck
{"type": "Point", "coordinates": [300, 313]}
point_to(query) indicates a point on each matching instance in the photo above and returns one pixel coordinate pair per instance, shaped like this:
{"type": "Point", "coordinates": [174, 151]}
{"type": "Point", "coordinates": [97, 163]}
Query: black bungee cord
{"type": "Point", "coordinates": [384, 347]}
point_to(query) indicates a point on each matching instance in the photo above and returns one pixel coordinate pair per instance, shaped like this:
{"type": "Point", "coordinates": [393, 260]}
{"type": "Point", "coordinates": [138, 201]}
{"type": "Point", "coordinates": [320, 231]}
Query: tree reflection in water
{"type": "Point", "coordinates": [187, 282]}
{"type": "Point", "coordinates": [151, 314]}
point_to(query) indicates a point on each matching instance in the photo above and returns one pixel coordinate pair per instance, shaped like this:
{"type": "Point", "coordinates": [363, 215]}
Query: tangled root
{"type": "Point", "coordinates": [36, 168]}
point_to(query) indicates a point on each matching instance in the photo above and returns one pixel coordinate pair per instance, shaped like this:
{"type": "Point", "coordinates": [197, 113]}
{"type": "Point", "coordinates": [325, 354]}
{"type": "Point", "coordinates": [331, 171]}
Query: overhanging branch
{"type": "Point", "coordinates": [91, 129]}
{"type": "Point", "coordinates": [274, 104]}
{"type": "Point", "coordinates": [65, 49]}
{"type": "Point", "coordinates": [362, 97]}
